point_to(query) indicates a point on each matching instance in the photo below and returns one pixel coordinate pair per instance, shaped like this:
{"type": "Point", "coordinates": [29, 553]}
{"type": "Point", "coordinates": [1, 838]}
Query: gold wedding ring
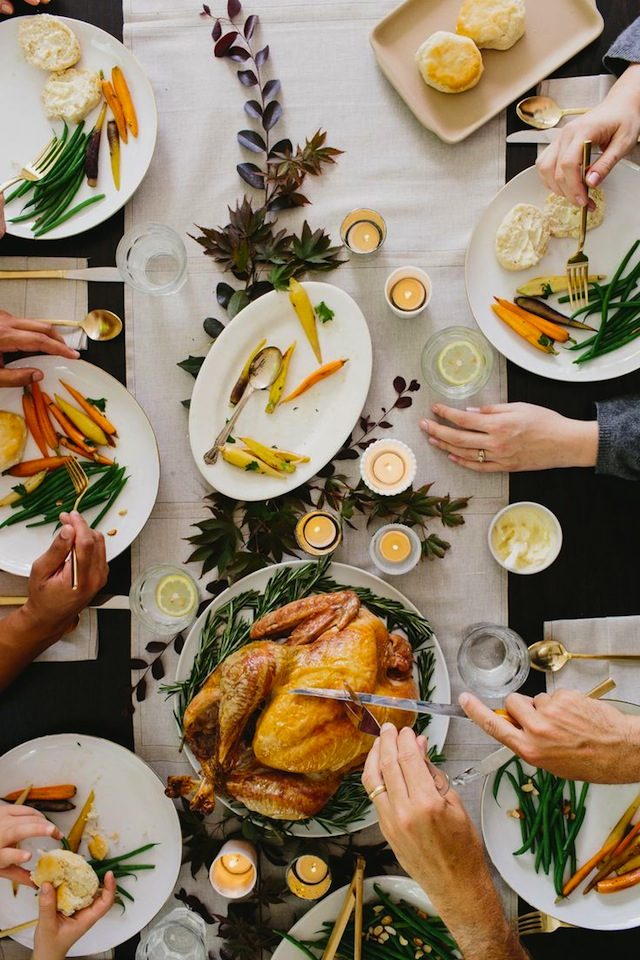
{"type": "Point", "coordinates": [482, 455]}
{"type": "Point", "coordinates": [376, 793]}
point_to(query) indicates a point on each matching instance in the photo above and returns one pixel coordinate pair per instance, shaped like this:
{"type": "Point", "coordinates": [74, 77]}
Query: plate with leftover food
{"type": "Point", "coordinates": [289, 431]}
{"type": "Point", "coordinates": [104, 127]}
{"type": "Point", "coordinates": [77, 411]}
{"type": "Point", "coordinates": [112, 809]}
{"type": "Point", "coordinates": [457, 63]}
{"type": "Point", "coordinates": [291, 761]}
{"type": "Point", "coordinates": [517, 287]}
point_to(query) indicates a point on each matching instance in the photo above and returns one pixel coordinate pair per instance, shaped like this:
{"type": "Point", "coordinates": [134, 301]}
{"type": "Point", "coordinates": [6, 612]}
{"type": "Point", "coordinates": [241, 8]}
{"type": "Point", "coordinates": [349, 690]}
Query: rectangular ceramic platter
{"type": "Point", "coordinates": [556, 31]}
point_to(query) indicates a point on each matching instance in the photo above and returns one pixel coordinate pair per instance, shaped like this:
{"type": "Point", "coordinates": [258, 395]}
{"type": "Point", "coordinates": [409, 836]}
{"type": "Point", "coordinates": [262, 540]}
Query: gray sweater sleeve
{"type": "Point", "coordinates": [624, 50]}
{"type": "Point", "coordinates": [619, 437]}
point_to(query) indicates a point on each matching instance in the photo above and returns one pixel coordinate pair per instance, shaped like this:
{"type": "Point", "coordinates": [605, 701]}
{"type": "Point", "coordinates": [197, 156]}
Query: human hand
{"type": "Point", "coordinates": [28, 336]}
{"type": "Point", "coordinates": [55, 933]}
{"type": "Point", "coordinates": [52, 607]}
{"type": "Point", "coordinates": [566, 733]}
{"type": "Point", "coordinates": [20, 823]}
{"type": "Point", "coordinates": [7, 8]}
{"type": "Point", "coordinates": [614, 126]}
{"type": "Point", "coordinates": [514, 436]}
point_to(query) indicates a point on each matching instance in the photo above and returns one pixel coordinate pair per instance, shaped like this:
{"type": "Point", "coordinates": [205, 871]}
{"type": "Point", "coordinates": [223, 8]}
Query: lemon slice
{"type": "Point", "coordinates": [176, 595]}
{"type": "Point", "coordinates": [459, 362]}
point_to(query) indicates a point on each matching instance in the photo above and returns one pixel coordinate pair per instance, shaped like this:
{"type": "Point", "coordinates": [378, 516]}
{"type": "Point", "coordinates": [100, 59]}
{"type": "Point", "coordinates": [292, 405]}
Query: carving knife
{"type": "Point", "coordinates": [397, 703]}
{"type": "Point", "coordinates": [533, 136]}
{"type": "Point", "coordinates": [105, 601]}
{"type": "Point", "coordinates": [98, 274]}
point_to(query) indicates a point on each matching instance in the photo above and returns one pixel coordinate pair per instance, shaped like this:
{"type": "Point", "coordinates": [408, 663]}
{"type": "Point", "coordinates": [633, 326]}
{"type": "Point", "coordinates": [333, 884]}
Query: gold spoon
{"type": "Point", "coordinates": [551, 655]}
{"type": "Point", "coordinates": [543, 112]}
{"type": "Point", "coordinates": [98, 324]}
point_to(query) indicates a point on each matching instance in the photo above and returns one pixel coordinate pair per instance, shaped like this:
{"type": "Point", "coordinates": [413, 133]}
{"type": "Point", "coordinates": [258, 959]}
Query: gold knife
{"type": "Point", "coordinates": [99, 274]}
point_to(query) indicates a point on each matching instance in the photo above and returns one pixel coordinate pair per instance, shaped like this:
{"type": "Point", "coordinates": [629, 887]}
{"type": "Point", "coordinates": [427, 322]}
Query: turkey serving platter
{"type": "Point", "coordinates": [316, 424]}
{"type": "Point", "coordinates": [290, 761]}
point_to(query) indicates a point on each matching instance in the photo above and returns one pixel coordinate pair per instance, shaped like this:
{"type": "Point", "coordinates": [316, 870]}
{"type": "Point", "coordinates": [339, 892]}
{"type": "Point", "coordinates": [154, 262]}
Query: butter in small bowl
{"type": "Point", "coordinates": [525, 537]}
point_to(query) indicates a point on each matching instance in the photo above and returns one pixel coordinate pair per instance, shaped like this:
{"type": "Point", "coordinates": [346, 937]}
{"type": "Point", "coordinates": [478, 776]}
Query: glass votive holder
{"type": "Point", "coordinates": [388, 467]}
{"type": "Point", "coordinates": [153, 259]}
{"type": "Point", "coordinates": [308, 876]}
{"type": "Point", "coordinates": [164, 598]}
{"type": "Point", "coordinates": [457, 362]}
{"type": "Point", "coordinates": [363, 232]}
{"type": "Point", "coordinates": [234, 871]}
{"type": "Point", "coordinates": [493, 660]}
{"type": "Point", "coordinates": [395, 549]}
{"type": "Point", "coordinates": [408, 291]}
{"type": "Point", "coordinates": [318, 533]}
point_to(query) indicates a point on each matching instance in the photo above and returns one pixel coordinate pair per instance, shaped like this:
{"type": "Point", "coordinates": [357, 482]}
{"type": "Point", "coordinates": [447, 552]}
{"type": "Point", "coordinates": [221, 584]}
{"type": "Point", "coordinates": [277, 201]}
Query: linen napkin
{"type": "Point", "coordinates": [47, 299]}
{"type": "Point", "coordinates": [581, 92]}
{"type": "Point", "coordinates": [600, 635]}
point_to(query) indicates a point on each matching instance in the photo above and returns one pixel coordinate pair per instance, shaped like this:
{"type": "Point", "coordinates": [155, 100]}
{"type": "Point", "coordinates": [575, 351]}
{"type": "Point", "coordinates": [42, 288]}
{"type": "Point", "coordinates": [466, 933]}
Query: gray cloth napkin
{"type": "Point", "coordinates": [46, 299]}
{"type": "Point", "coordinates": [601, 635]}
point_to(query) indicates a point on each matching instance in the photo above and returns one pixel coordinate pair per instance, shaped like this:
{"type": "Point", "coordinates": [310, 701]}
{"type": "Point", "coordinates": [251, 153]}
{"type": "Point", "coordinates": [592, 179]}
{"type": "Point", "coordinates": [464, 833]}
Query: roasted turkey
{"type": "Point", "coordinates": [280, 754]}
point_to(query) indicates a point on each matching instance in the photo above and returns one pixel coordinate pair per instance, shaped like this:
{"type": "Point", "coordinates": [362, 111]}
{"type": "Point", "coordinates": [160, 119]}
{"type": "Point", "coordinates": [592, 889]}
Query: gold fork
{"type": "Point", "coordinates": [538, 922]}
{"type": "Point", "coordinates": [36, 169]}
{"type": "Point", "coordinates": [80, 482]}
{"type": "Point", "coordinates": [578, 264]}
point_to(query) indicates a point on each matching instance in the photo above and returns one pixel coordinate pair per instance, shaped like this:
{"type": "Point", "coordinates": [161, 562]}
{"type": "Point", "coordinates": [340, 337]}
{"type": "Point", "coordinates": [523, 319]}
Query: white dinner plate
{"type": "Point", "coordinates": [605, 246]}
{"type": "Point", "coordinates": [317, 424]}
{"type": "Point", "coordinates": [605, 805]}
{"type": "Point", "coordinates": [26, 130]}
{"type": "Point", "coordinates": [308, 927]}
{"type": "Point", "coordinates": [136, 449]}
{"type": "Point", "coordinates": [131, 810]}
{"type": "Point", "coordinates": [351, 577]}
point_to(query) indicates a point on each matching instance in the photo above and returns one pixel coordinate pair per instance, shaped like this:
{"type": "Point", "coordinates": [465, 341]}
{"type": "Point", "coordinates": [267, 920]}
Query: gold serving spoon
{"type": "Point", "coordinates": [551, 655]}
{"type": "Point", "coordinates": [543, 112]}
{"type": "Point", "coordinates": [98, 324]}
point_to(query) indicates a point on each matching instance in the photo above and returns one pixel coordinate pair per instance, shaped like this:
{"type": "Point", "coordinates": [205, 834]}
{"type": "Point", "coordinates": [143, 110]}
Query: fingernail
{"type": "Point", "coordinates": [76, 354]}
{"type": "Point", "coordinates": [74, 515]}
{"type": "Point", "coordinates": [433, 441]}
{"type": "Point", "coordinates": [580, 201]}
{"type": "Point", "coordinates": [66, 532]}
{"type": "Point", "coordinates": [37, 375]}
{"type": "Point", "coordinates": [387, 726]}
{"type": "Point", "coordinates": [472, 409]}
{"type": "Point", "coordinates": [424, 424]}
{"type": "Point", "coordinates": [463, 700]}
{"type": "Point", "coordinates": [436, 408]}
{"type": "Point", "coordinates": [24, 856]}
{"type": "Point", "coordinates": [593, 178]}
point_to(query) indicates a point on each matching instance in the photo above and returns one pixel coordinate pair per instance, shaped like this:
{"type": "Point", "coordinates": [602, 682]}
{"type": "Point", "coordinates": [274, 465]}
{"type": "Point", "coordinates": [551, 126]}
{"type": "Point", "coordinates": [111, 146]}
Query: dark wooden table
{"type": "Point", "coordinates": [597, 573]}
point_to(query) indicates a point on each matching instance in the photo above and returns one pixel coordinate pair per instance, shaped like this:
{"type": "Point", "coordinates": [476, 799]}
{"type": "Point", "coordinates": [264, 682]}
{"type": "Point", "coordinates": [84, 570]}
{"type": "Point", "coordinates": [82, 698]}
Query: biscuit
{"type": "Point", "coordinates": [71, 95]}
{"type": "Point", "coordinates": [48, 43]}
{"type": "Point", "coordinates": [494, 24]}
{"type": "Point", "coordinates": [13, 438]}
{"type": "Point", "coordinates": [75, 881]}
{"type": "Point", "coordinates": [564, 217]}
{"type": "Point", "coordinates": [449, 63]}
{"type": "Point", "coordinates": [522, 237]}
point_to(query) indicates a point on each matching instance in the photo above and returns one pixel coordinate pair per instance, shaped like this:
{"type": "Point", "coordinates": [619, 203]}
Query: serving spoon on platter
{"type": "Point", "coordinates": [549, 656]}
{"type": "Point", "coordinates": [543, 112]}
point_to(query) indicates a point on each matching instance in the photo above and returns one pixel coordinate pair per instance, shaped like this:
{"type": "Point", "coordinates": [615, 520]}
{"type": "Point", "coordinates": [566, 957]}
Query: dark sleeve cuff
{"type": "Point", "coordinates": [624, 50]}
{"type": "Point", "coordinates": [619, 437]}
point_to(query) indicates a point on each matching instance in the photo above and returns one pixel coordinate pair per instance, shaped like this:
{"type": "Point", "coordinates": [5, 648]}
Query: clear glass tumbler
{"type": "Point", "coordinates": [457, 362]}
{"type": "Point", "coordinates": [180, 935]}
{"type": "Point", "coordinates": [493, 660]}
{"type": "Point", "coordinates": [165, 598]}
{"type": "Point", "coordinates": [153, 259]}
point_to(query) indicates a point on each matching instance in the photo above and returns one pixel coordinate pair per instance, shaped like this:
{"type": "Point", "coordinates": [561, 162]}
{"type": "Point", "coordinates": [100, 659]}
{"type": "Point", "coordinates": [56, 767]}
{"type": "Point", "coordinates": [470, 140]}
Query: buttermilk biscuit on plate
{"type": "Point", "coordinates": [76, 883]}
{"type": "Point", "coordinates": [522, 237]}
{"type": "Point", "coordinates": [13, 438]}
{"type": "Point", "coordinates": [449, 63]}
{"type": "Point", "coordinates": [48, 43]}
{"type": "Point", "coordinates": [71, 95]}
{"type": "Point", "coordinates": [495, 24]}
{"type": "Point", "coordinates": [564, 217]}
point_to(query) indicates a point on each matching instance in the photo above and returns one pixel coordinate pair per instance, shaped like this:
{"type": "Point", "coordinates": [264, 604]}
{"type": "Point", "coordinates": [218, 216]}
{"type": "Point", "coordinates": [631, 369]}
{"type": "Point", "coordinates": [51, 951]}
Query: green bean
{"type": "Point", "coordinates": [71, 213]}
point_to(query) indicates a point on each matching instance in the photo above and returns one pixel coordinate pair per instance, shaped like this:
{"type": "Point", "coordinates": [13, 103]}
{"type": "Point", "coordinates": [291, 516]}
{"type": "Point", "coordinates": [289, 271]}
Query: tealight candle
{"type": "Point", "coordinates": [388, 467]}
{"type": "Point", "coordinates": [234, 872]}
{"type": "Point", "coordinates": [318, 533]}
{"type": "Point", "coordinates": [309, 877]}
{"type": "Point", "coordinates": [363, 232]}
{"type": "Point", "coordinates": [407, 291]}
{"type": "Point", "coordinates": [395, 549]}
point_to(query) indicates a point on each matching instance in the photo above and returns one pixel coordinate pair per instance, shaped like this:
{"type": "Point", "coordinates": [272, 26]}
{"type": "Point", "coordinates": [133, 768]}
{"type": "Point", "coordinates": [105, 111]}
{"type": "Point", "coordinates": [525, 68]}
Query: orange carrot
{"type": "Point", "coordinates": [608, 847]}
{"type": "Point", "coordinates": [613, 884]}
{"type": "Point", "coordinates": [320, 374]}
{"type": "Point", "coordinates": [30, 467]}
{"type": "Point", "coordinates": [42, 415]}
{"type": "Point", "coordinates": [59, 791]}
{"type": "Point", "coordinates": [90, 409]}
{"type": "Point", "coordinates": [85, 452]}
{"type": "Point", "coordinates": [552, 330]}
{"type": "Point", "coordinates": [31, 418]}
{"type": "Point", "coordinates": [617, 857]}
{"type": "Point", "coordinates": [116, 107]}
{"type": "Point", "coordinates": [123, 94]}
{"type": "Point", "coordinates": [523, 328]}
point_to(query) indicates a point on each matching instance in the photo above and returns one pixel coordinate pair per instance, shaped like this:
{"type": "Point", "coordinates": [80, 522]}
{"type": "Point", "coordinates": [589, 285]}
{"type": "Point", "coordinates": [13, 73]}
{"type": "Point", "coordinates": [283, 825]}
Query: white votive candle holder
{"type": "Point", "coordinates": [363, 231]}
{"type": "Point", "coordinates": [234, 871]}
{"type": "Point", "coordinates": [388, 467]}
{"type": "Point", "coordinates": [395, 549]}
{"type": "Point", "coordinates": [408, 291]}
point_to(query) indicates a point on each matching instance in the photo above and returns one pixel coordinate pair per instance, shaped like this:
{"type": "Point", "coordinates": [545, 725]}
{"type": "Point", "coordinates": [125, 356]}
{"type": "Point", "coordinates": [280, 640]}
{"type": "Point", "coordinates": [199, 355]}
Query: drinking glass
{"type": "Point", "coordinates": [153, 259]}
{"type": "Point", "coordinates": [438, 345]}
{"type": "Point", "coordinates": [165, 598]}
{"type": "Point", "coordinates": [180, 935]}
{"type": "Point", "coordinates": [493, 660]}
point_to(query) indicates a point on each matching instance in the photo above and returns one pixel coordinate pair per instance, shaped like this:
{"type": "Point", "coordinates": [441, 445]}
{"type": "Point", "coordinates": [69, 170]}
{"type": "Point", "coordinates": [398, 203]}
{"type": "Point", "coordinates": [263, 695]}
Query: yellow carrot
{"type": "Point", "coordinates": [550, 329]}
{"type": "Point", "coordinates": [278, 385]}
{"type": "Point", "coordinates": [306, 315]}
{"type": "Point", "coordinates": [114, 151]}
{"type": "Point", "coordinates": [75, 834]}
{"type": "Point", "coordinates": [320, 374]}
{"type": "Point", "coordinates": [523, 328]}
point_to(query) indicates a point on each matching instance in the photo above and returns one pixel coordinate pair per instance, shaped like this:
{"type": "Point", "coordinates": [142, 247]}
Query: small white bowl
{"type": "Point", "coordinates": [553, 552]}
{"type": "Point", "coordinates": [393, 446]}
{"type": "Point", "coordinates": [400, 274]}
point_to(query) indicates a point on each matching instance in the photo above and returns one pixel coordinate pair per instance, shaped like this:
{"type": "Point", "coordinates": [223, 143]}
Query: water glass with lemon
{"type": "Point", "coordinates": [164, 598]}
{"type": "Point", "coordinates": [457, 362]}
